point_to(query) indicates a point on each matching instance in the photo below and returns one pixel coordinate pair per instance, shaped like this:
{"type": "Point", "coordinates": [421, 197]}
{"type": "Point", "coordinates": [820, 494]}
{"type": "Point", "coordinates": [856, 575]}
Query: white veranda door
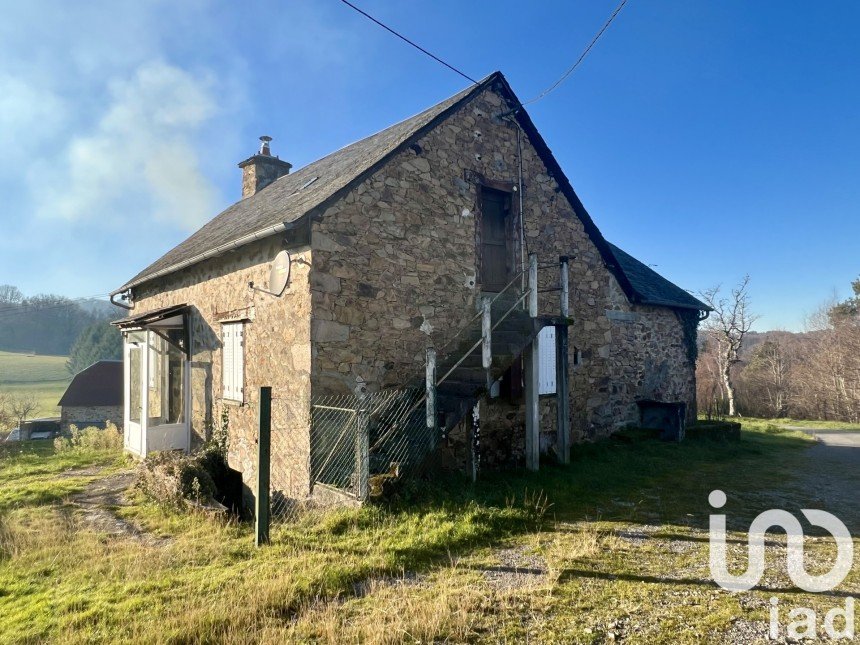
{"type": "Point", "coordinates": [135, 365]}
{"type": "Point", "coordinates": [156, 394]}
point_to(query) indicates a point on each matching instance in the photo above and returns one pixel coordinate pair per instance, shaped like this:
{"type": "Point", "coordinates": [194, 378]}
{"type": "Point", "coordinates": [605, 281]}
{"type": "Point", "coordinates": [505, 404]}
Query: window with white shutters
{"type": "Point", "coordinates": [546, 373]}
{"type": "Point", "coordinates": [233, 353]}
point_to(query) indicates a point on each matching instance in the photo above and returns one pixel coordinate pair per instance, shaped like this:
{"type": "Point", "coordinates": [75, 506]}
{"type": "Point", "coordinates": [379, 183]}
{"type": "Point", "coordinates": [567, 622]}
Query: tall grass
{"type": "Point", "coordinates": [90, 439]}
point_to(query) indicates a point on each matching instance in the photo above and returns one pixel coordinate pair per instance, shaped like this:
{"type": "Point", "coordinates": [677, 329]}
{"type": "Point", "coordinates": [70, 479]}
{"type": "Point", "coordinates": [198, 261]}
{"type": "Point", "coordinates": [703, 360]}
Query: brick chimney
{"type": "Point", "coordinates": [262, 169]}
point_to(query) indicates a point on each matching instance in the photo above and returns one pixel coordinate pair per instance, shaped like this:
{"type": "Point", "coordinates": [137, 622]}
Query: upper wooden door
{"type": "Point", "coordinates": [495, 239]}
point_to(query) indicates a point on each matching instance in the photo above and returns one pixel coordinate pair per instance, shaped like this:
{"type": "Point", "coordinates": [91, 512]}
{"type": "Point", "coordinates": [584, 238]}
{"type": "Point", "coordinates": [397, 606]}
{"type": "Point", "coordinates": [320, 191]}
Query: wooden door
{"type": "Point", "coordinates": [495, 244]}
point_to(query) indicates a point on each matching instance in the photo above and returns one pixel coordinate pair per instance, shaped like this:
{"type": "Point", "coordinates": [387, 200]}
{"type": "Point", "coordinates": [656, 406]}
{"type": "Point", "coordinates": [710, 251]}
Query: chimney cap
{"type": "Point", "coordinates": [264, 145]}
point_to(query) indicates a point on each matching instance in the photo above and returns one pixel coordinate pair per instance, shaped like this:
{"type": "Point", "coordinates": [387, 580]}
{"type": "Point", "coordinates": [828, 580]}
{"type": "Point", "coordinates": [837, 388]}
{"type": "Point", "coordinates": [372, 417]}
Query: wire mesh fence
{"type": "Point", "coordinates": [343, 450]}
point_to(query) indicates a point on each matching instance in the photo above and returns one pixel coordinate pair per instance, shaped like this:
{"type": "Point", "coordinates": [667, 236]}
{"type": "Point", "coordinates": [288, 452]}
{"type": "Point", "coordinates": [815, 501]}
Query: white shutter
{"type": "Point", "coordinates": [227, 363]}
{"type": "Point", "coordinates": [546, 373]}
{"type": "Point", "coordinates": [239, 362]}
{"type": "Point", "coordinates": [233, 354]}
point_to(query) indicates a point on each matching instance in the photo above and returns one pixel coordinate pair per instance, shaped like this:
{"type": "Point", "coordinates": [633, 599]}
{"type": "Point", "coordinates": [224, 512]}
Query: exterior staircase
{"type": "Point", "coordinates": [467, 380]}
{"type": "Point", "coordinates": [403, 433]}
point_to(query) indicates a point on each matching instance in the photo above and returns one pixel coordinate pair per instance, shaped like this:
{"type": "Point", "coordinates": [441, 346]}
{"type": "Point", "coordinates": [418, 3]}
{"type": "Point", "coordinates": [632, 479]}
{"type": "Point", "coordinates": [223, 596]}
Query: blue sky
{"type": "Point", "coordinates": [710, 139]}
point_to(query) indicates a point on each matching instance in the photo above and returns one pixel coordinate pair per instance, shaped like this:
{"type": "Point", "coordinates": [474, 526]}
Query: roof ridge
{"type": "Point", "coordinates": [184, 253]}
{"type": "Point", "coordinates": [393, 125]}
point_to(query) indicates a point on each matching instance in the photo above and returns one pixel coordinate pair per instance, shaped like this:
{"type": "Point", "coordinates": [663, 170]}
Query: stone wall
{"type": "Point", "coordinates": [647, 360]}
{"type": "Point", "coordinates": [83, 416]}
{"type": "Point", "coordinates": [395, 271]}
{"type": "Point", "coordinates": [277, 353]}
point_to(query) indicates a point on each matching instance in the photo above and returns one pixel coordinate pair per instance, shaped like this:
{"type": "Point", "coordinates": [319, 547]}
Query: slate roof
{"type": "Point", "coordinates": [314, 187]}
{"type": "Point", "coordinates": [100, 384]}
{"type": "Point", "coordinates": [650, 288]}
{"type": "Point", "coordinates": [291, 196]}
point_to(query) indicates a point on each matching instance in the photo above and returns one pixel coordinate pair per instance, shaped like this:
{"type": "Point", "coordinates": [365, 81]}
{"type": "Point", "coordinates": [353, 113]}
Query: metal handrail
{"type": "Point", "coordinates": [516, 277]}
{"type": "Point", "coordinates": [481, 340]}
{"type": "Point", "coordinates": [423, 398]}
{"type": "Point", "coordinates": [513, 281]}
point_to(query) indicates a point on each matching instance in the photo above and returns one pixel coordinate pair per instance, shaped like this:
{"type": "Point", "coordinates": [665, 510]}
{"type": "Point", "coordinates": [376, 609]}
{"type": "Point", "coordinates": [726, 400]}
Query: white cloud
{"type": "Point", "coordinates": [29, 116]}
{"type": "Point", "coordinates": [139, 156]}
{"type": "Point", "coordinates": [121, 122]}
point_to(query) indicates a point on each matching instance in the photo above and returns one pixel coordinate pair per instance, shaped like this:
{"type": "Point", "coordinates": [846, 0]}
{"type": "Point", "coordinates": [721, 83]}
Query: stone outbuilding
{"type": "Point", "coordinates": [383, 263]}
{"type": "Point", "coordinates": [94, 397]}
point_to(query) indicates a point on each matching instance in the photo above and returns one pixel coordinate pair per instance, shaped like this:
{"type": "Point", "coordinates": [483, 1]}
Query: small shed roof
{"type": "Point", "coordinates": [650, 288]}
{"type": "Point", "coordinates": [100, 384]}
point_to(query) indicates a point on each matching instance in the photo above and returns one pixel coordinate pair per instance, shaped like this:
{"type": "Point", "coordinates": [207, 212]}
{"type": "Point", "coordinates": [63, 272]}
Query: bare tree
{"type": "Point", "coordinates": [767, 378]}
{"type": "Point", "coordinates": [10, 298]}
{"type": "Point", "coordinates": [6, 416]}
{"type": "Point", "coordinates": [710, 393]}
{"type": "Point", "coordinates": [10, 295]}
{"type": "Point", "coordinates": [729, 322]}
{"type": "Point", "coordinates": [22, 406]}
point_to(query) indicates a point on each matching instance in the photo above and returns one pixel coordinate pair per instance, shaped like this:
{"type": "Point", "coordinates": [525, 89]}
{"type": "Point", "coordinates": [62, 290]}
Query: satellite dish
{"type": "Point", "coordinates": [280, 273]}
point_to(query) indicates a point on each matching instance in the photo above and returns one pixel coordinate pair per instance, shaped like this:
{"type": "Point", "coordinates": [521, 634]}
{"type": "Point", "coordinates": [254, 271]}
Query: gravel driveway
{"type": "Point", "coordinates": [831, 477]}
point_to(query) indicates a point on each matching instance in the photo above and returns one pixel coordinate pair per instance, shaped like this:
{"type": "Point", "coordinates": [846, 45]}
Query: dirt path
{"type": "Point", "coordinates": [100, 500]}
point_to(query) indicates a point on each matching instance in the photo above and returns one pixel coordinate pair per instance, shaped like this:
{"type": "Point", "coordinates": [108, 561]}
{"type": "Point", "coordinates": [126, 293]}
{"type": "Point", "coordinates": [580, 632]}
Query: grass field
{"type": "Point", "coordinates": [44, 377]}
{"type": "Point", "coordinates": [616, 540]}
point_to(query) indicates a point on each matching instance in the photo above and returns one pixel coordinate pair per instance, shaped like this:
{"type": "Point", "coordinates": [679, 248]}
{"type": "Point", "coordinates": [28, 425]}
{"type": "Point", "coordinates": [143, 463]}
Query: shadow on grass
{"type": "Point", "coordinates": [613, 480]}
{"type": "Point", "coordinates": [574, 574]}
{"type": "Point", "coordinates": [432, 522]}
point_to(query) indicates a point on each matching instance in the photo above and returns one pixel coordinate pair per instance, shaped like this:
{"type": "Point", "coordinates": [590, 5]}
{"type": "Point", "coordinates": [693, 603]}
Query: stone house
{"type": "Point", "coordinates": [94, 397]}
{"type": "Point", "coordinates": [339, 277]}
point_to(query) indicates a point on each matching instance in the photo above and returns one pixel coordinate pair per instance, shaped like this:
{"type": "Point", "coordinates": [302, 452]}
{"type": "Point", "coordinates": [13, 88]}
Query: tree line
{"type": "Point", "coordinates": [56, 325]}
{"type": "Point", "coordinates": [810, 375]}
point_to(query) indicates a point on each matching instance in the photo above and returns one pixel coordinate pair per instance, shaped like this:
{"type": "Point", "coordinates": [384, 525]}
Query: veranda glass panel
{"type": "Point", "coordinates": [166, 383]}
{"type": "Point", "coordinates": [135, 405]}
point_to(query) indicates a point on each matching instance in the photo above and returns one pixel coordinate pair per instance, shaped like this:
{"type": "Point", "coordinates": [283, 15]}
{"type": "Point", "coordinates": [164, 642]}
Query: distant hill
{"type": "Point", "coordinates": [46, 323]}
{"type": "Point", "coordinates": [755, 338]}
{"type": "Point", "coordinates": [101, 308]}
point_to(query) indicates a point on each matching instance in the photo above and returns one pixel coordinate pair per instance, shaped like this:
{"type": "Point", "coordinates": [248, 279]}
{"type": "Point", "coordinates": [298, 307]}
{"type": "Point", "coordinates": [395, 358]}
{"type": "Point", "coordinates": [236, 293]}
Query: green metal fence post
{"type": "Point", "coordinates": [264, 441]}
{"type": "Point", "coordinates": [362, 452]}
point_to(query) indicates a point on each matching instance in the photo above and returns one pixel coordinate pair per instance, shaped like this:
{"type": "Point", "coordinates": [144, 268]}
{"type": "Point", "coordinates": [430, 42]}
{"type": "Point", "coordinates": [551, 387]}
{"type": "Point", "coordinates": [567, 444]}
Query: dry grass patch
{"type": "Point", "coordinates": [415, 570]}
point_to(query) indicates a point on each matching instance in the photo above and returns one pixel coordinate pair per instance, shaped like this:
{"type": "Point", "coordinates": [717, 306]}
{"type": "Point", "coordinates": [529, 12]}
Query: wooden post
{"type": "Point", "coordinates": [562, 362]}
{"type": "Point", "coordinates": [362, 453]}
{"type": "Point", "coordinates": [565, 285]}
{"type": "Point", "coordinates": [264, 442]}
{"type": "Point", "coordinates": [531, 373]}
{"type": "Point", "coordinates": [531, 358]}
{"type": "Point", "coordinates": [487, 339]}
{"type": "Point", "coordinates": [430, 385]}
{"type": "Point", "coordinates": [533, 285]}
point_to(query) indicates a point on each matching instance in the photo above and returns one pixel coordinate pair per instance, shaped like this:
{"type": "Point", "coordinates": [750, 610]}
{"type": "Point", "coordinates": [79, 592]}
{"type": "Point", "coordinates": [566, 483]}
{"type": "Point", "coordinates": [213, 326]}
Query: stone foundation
{"type": "Point", "coordinates": [83, 416]}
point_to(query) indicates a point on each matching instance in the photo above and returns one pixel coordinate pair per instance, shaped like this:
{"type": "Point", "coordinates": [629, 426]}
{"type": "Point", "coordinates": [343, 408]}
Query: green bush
{"type": "Point", "coordinates": [90, 439]}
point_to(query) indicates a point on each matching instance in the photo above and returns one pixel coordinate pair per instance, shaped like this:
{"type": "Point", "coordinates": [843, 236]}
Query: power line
{"type": "Point", "coordinates": [405, 39]}
{"type": "Point", "coordinates": [582, 56]}
{"type": "Point", "coordinates": [11, 310]}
